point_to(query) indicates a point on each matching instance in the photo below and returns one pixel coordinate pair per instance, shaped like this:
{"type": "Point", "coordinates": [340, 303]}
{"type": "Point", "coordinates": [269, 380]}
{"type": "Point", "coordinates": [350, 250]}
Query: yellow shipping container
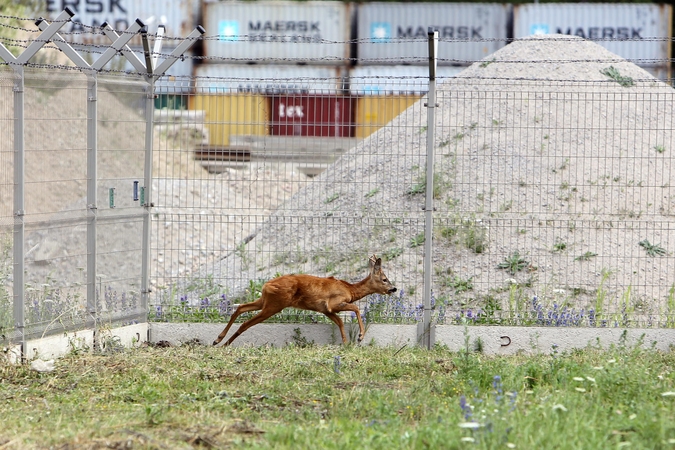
{"type": "Point", "coordinates": [374, 112]}
{"type": "Point", "coordinates": [232, 114]}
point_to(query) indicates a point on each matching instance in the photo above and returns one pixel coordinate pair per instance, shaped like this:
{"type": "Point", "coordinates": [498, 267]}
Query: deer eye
{"type": "Point", "coordinates": [385, 280]}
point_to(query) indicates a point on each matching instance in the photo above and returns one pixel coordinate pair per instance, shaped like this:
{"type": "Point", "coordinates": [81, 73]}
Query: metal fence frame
{"type": "Point", "coordinates": [152, 70]}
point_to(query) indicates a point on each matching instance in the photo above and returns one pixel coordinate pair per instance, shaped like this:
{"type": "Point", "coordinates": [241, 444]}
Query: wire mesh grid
{"type": "Point", "coordinates": [551, 184]}
{"type": "Point", "coordinates": [270, 195]}
{"type": "Point", "coordinates": [552, 196]}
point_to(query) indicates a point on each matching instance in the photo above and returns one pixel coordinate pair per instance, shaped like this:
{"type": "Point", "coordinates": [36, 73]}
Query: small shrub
{"type": "Point", "coordinates": [513, 263]}
{"type": "Point", "coordinates": [652, 249]}
{"type": "Point", "coordinates": [416, 241]}
{"type": "Point", "coordinates": [613, 73]}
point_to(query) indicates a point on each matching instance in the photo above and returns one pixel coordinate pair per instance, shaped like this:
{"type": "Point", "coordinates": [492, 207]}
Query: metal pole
{"type": "Point", "coordinates": [92, 197]}
{"type": "Point", "coordinates": [19, 208]}
{"type": "Point", "coordinates": [147, 179]}
{"type": "Point", "coordinates": [426, 331]}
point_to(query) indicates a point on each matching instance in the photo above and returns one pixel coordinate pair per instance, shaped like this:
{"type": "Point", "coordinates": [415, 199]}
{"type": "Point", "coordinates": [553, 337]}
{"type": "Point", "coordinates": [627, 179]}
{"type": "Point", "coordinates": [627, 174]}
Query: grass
{"type": "Point", "coordinates": [467, 232]}
{"type": "Point", "coordinates": [333, 397]}
{"type": "Point", "coordinates": [586, 256]}
{"type": "Point", "coordinates": [417, 240]}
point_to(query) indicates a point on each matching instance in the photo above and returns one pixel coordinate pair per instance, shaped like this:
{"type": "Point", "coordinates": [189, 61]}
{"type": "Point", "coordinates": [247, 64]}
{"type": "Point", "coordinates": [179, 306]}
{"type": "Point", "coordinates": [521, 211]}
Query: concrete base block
{"type": "Point", "coordinates": [493, 340]}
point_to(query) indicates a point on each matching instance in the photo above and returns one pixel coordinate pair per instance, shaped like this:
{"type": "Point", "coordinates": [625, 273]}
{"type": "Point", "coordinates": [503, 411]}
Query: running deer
{"type": "Point", "coordinates": [325, 295]}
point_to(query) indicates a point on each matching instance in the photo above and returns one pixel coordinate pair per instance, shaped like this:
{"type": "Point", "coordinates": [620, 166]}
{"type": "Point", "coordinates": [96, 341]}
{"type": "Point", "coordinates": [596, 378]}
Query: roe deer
{"type": "Point", "coordinates": [325, 295]}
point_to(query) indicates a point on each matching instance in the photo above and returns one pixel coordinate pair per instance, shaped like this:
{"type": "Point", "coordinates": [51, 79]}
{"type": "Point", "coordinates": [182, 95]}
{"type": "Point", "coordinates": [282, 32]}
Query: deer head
{"type": "Point", "coordinates": [379, 281]}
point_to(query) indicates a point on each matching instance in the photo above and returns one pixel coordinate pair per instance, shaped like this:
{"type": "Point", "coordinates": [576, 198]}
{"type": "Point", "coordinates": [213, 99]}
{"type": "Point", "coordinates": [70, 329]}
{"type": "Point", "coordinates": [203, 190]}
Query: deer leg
{"type": "Point", "coordinates": [253, 306]}
{"type": "Point", "coordinates": [335, 318]}
{"type": "Point", "coordinates": [266, 313]}
{"type": "Point", "coordinates": [355, 309]}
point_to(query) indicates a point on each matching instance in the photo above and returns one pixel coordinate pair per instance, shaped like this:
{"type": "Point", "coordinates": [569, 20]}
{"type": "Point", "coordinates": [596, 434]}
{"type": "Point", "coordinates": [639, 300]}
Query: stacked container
{"type": "Point", "coordinates": [393, 57]}
{"type": "Point", "coordinates": [275, 68]}
{"type": "Point", "coordinates": [639, 32]}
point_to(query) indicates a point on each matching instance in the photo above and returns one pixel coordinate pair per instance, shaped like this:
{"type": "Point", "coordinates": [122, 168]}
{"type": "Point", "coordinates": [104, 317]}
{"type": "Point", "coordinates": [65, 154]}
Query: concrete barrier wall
{"type": "Point", "coordinates": [493, 340]}
{"type": "Point", "coordinates": [490, 340]}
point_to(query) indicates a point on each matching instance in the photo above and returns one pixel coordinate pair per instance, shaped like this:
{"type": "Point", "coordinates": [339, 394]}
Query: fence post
{"type": "Point", "coordinates": [153, 71]}
{"type": "Point", "coordinates": [426, 335]}
{"type": "Point", "coordinates": [19, 208]}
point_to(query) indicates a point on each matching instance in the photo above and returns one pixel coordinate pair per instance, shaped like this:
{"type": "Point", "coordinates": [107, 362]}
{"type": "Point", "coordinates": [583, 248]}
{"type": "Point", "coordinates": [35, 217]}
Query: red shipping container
{"type": "Point", "coordinates": [312, 115]}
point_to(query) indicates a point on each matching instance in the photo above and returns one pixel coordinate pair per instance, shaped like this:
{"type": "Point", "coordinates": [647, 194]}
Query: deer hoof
{"type": "Point", "coordinates": [360, 338]}
{"type": "Point", "coordinates": [215, 342]}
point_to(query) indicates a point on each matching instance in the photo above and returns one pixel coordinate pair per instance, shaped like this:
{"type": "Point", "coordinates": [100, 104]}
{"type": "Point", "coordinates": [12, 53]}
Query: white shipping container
{"type": "Point", "coordinates": [396, 80]}
{"type": "Point", "coordinates": [639, 32]}
{"type": "Point", "coordinates": [268, 79]}
{"type": "Point", "coordinates": [396, 33]}
{"type": "Point", "coordinates": [282, 32]}
{"type": "Point", "coordinates": [178, 17]}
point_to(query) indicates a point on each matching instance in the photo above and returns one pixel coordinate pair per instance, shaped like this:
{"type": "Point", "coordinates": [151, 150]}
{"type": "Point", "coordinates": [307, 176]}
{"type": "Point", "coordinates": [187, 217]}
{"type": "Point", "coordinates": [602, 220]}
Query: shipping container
{"type": "Point", "coordinates": [396, 33]}
{"type": "Point", "coordinates": [640, 32]}
{"type": "Point", "coordinates": [375, 111]}
{"type": "Point", "coordinates": [312, 115]}
{"type": "Point", "coordinates": [270, 79]}
{"type": "Point", "coordinates": [235, 98]}
{"type": "Point", "coordinates": [231, 114]}
{"type": "Point", "coordinates": [280, 32]}
{"type": "Point", "coordinates": [384, 92]}
{"type": "Point", "coordinates": [178, 16]}
{"type": "Point", "coordinates": [396, 80]}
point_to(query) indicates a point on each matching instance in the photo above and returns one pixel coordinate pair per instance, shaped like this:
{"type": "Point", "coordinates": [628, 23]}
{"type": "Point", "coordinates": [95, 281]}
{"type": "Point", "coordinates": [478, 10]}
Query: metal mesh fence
{"type": "Point", "coordinates": [552, 193]}
{"type": "Point", "coordinates": [262, 197]}
{"type": "Point", "coordinates": [57, 207]}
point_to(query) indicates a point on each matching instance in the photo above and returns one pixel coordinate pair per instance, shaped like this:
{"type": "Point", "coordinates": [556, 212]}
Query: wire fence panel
{"type": "Point", "coordinates": [121, 163]}
{"type": "Point", "coordinates": [552, 192]}
{"type": "Point", "coordinates": [56, 178]}
{"type": "Point", "coordinates": [551, 187]}
{"type": "Point", "coordinates": [275, 192]}
{"type": "Point", "coordinates": [557, 192]}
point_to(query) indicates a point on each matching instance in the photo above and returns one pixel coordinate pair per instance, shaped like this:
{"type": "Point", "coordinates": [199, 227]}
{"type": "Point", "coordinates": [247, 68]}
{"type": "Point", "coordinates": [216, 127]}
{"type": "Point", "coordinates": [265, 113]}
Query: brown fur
{"type": "Point", "coordinates": [325, 295]}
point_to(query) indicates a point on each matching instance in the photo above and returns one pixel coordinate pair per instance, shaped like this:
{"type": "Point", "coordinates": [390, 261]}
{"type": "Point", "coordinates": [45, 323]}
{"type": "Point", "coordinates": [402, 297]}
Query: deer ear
{"type": "Point", "coordinates": [377, 266]}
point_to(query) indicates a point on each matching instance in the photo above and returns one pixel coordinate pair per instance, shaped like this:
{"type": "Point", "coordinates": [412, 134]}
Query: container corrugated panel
{"type": "Point", "coordinates": [639, 32]}
{"type": "Point", "coordinates": [396, 80]}
{"type": "Point", "coordinates": [396, 33]}
{"type": "Point", "coordinates": [280, 32]}
{"type": "Point", "coordinates": [269, 79]}
{"type": "Point", "coordinates": [178, 16]}
{"type": "Point", "coordinates": [226, 115]}
{"type": "Point", "coordinates": [375, 111]}
{"type": "Point", "coordinates": [312, 115]}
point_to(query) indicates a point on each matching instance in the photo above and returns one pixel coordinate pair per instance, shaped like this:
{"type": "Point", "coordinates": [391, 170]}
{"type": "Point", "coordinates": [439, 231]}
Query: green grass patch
{"type": "Point", "coordinates": [336, 397]}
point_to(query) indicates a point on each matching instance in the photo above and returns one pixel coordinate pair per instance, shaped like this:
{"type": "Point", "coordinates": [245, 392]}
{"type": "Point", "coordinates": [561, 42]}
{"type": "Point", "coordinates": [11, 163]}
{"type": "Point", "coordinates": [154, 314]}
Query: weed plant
{"type": "Point", "coordinates": [304, 396]}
